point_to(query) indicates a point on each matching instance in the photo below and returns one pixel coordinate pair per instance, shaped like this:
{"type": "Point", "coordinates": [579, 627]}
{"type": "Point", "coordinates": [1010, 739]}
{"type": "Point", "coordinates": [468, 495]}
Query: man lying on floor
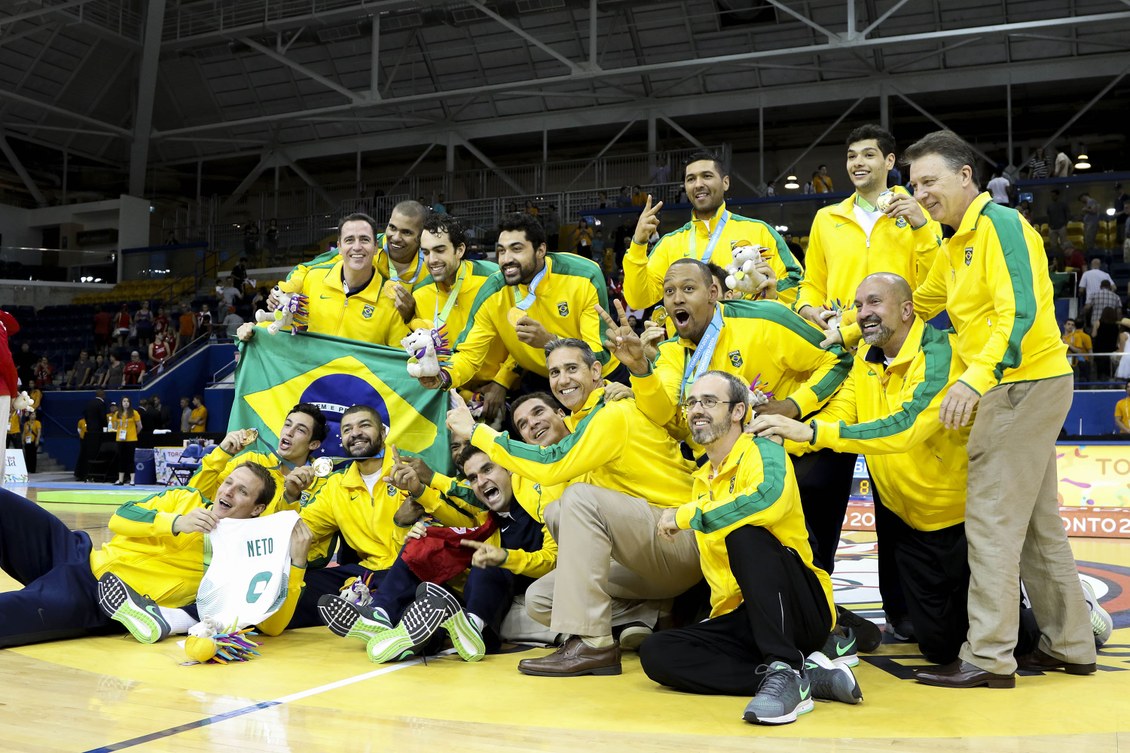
{"type": "Point", "coordinates": [157, 548]}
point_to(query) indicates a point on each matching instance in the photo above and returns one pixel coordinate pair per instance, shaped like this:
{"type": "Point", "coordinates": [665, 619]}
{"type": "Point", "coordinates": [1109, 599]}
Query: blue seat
{"type": "Point", "coordinates": [188, 463]}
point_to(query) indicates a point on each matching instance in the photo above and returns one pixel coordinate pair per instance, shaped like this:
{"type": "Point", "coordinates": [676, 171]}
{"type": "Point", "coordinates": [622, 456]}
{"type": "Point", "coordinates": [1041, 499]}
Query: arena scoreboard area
{"type": "Point", "coordinates": [1094, 491]}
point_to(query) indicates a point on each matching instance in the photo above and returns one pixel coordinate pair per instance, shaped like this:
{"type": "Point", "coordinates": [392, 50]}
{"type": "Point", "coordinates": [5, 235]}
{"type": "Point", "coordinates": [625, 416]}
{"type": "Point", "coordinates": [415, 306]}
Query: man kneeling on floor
{"type": "Point", "coordinates": [158, 548]}
{"type": "Point", "coordinates": [506, 553]}
{"type": "Point", "coordinates": [770, 605]}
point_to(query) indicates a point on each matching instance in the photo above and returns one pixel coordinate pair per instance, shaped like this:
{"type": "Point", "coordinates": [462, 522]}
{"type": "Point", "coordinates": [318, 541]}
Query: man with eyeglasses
{"type": "Point", "coordinates": [775, 351]}
{"type": "Point", "coordinates": [624, 471]}
{"type": "Point", "coordinates": [770, 605]}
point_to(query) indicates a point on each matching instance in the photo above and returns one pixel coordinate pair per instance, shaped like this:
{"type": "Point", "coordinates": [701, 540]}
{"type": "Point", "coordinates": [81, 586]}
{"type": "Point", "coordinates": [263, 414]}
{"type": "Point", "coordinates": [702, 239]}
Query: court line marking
{"type": "Point", "coordinates": [217, 718]}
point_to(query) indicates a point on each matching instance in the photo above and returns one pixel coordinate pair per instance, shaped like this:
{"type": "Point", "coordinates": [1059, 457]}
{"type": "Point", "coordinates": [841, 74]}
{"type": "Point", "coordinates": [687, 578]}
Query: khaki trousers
{"type": "Point", "coordinates": [1014, 530]}
{"type": "Point", "coordinates": [608, 551]}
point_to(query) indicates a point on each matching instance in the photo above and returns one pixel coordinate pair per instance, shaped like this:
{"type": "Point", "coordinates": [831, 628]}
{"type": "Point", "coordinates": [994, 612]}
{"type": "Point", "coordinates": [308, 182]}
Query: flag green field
{"type": "Point", "coordinates": [276, 372]}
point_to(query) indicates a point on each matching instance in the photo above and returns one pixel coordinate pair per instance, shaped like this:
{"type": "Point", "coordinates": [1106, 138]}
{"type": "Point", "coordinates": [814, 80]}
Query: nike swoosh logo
{"type": "Point", "coordinates": [153, 609]}
{"type": "Point", "coordinates": [323, 296]}
{"type": "Point", "coordinates": [804, 693]}
{"type": "Point", "coordinates": [841, 650]}
{"type": "Point", "coordinates": [840, 224]}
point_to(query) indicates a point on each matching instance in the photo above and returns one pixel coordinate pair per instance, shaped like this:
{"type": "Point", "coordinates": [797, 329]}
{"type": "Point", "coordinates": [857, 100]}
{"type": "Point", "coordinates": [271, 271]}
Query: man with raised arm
{"type": "Point", "coordinates": [710, 236]}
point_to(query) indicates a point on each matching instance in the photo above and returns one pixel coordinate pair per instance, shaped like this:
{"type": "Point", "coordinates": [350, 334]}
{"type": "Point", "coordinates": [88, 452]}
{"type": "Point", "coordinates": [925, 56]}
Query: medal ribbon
{"type": "Point", "coordinates": [714, 238]}
{"type": "Point", "coordinates": [699, 362]}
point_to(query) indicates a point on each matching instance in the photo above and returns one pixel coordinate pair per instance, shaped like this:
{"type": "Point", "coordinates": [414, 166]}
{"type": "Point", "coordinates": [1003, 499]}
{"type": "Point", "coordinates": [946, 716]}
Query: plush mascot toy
{"type": "Point", "coordinates": [292, 312]}
{"type": "Point", "coordinates": [742, 274]}
{"type": "Point", "coordinates": [424, 347]}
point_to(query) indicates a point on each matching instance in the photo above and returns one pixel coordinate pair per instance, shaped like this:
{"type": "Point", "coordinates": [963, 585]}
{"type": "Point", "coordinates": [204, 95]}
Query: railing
{"type": "Point", "coordinates": [1098, 371]}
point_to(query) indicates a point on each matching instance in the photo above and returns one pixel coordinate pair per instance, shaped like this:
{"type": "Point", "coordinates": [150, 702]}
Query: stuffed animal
{"type": "Point", "coordinates": [292, 312]}
{"type": "Point", "coordinates": [21, 401]}
{"type": "Point", "coordinates": [742, 274]}
{"type": "Point", "coordinates": [424, 347]}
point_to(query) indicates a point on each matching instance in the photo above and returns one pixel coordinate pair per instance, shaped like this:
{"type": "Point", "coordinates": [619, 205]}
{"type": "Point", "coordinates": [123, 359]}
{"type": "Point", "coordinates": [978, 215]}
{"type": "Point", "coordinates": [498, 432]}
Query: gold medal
{"type": "Point", "coordinates": [659, 315]}
{"type": "Point", "coordinates": [515, 315]}
{"type": "Point", "coordinates": [389, 289]}
{"type": "Point", "coordinates": [323, 467]}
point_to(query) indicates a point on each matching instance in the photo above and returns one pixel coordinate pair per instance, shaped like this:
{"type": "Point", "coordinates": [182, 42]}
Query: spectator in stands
{"type": "Point", "coordinates": [998, 188]}
{"type": "Point", "coordinates": [602, 200]}
{"type": "Point", "coordinates": [1058, 214]}
{"type": "Point", "coordinates": [122, 324]}
{"type": "Point", "coordinates": [1121, 211]}
{"type": "Point", "coordinates": [439, 207]}
{"type": "Point", "coordinates": [143, 325]}
{"type": "Point", "coordinates": [185, 416]}
{"type": "Point", "coordinates": [34, 393]}
{"type": "Point", "coordinates": [271, 238]}
{"type": "Point", "coordinates": [158, 354]}
{"type": "Point", "coordinates": [1122, 413]}
{"type": "Point", "coordinates": [251, 237]}
{"type": "Point", "coordinates": [259, 302]}
{"type": "Point", "coordinates": [32, 431]}
{"type": "Point", "coordinates": [639, 196]}
{"type": "Point", "coordinates": [598, 246]}
{"type": "Point", "coordinates": [239, 273]}
{"type": "Point", "coordinates": [624, 199]}
{"type": "Point", "coordinates": [531, 208]}
{"type": "Point", "coordinates": [115, 373]}
{"type": "Point", "coordinates": [1090, 213]}
{"type": "Point", "coordinates": [821, 180]}
{"type": "Point", "coordinates": [552, 229]}
{"type": "Point", "coordinates": [232, 323]}
{"type": "Point", "coordinates": [1073, 258]}
{"type": "Point", "coordinates": [44, 372]}
{"type": "Point", "coordinates": [1078, 348]}
{"type": "Point", "coordinates": [1061, 165]}
{"type": "Point", "coordinates": [1092, 280]}
{"type": "Point", "coordinates": [133, 373]}
{"type": "Point", "coordinates": [1103, 298]}
{"type": "Point", "coordinates": [198, 419]}
{"type": "Point", "coordinates": [160, 322]}
{"type": "Point", "coordinates": [1104, 335]}
{"type": "Point", "coordinates": [583, 246]}
{"type": "Point", "coordinates": [187, 327]}
{"type": "Point", "coordinates": [204, 322]}
{"type": "Point", "coordinates": [103, 327]}
{"type": "Point", "coordinates": [25, 361]}
{"type": "Point", "coordinates": [82, 372]}
{"type": "Point", "coordinates": [1025, 209]}
{"type": "Point", "coordinates": [126, 422]}
{"type": "Point", "coordinates": [230, 294]}
{"type": "Point", "coordinates": [1037, 166]}
{"type": "Point", "coordinates": [98, 375]}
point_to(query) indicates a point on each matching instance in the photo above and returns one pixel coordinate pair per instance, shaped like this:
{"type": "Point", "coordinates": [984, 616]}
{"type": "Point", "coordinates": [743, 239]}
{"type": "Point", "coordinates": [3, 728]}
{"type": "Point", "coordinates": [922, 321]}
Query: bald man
{"type": "Point", "coordinates": [887, 409]}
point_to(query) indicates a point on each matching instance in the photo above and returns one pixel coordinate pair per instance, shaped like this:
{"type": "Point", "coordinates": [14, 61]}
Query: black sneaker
{"type": "Point", "coordinates": [868, 636]}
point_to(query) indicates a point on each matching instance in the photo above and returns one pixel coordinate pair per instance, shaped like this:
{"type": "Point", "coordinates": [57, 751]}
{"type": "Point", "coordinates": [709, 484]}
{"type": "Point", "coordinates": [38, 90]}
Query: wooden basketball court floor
{"type": "Point", "coordinates": [312, 691]}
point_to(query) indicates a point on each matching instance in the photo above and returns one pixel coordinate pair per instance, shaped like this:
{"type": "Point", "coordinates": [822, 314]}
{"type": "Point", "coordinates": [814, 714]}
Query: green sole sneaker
{"type": "Point", "coordinates": [139, 614]}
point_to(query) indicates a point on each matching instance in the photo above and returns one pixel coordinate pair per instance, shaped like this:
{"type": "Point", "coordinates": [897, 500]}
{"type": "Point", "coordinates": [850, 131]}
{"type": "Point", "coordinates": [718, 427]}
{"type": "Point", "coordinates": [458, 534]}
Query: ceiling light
{"type": "Point", "coordinates": [791, 183]}
{"type": "Point", "coordinates": [1083, 162]}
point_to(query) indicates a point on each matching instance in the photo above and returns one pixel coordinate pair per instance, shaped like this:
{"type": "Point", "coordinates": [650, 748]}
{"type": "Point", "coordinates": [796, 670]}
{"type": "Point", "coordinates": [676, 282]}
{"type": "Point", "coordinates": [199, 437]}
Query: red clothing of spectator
{"type": "Point", "coordinates": [8, 327]}
{"type": "Point", "coordinates": [132, 372]}
{"type": "Point", "coordinates": [44, 373]}
{"type": "Point", "coordinates": [102, 323]}
{"type": "Point", "coordinates": [121, 320]}
{"type": "Point", "coordinates": [158, 352]}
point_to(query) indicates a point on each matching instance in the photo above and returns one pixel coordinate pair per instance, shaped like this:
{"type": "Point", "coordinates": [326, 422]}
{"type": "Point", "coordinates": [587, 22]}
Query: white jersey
{"type": "Point", "coordinates": [246, 579]}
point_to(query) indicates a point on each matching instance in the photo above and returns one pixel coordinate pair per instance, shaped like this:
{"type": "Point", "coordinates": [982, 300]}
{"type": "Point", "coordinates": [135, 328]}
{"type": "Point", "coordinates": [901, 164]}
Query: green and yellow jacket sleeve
{"type": "Point", "coordinates": [154, 516]}
{"type": "Point", "coordinates": [277, 622]}
{"type": "Point", "coordinates": [754, 506]}
{"type": "Point", "coordinates": [598, 439]}
{"type": "Point", "coordinates": [533, 564]}
{"type": "Point", "coordinates": [916, 418]}
{"type": "Point", "coordinates": [213, 469]}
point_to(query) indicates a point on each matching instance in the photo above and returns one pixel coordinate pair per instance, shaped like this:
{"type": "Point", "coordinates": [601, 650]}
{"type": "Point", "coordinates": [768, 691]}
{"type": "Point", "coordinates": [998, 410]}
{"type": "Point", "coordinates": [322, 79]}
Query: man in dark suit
{"type": "Point", "coordinates": [94, 413]}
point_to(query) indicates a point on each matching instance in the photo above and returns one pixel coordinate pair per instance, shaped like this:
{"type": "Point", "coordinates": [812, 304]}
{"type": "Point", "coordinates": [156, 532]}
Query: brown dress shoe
{"type": "Point", "coordinates": [574, 659]}
{"type": "Point", "coordinates": [960, 674]}
{"type": "Point", "coordinates": [1038, 661]}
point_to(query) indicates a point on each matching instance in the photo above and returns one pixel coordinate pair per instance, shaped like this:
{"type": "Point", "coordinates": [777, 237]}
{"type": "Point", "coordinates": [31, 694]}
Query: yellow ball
{"type": "Point", "coordinates": [199, 649]}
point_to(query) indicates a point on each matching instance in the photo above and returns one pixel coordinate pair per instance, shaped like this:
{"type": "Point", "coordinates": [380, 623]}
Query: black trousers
{"type": "Point", "coordinates": [327, 580]}
{"type": "Point", "coordinates": [889, 530]}
{"type": "Point", "coordinates": [487, 594]}
{"type": "Point", "coordinates": [934, 574]}
{"type": "Point", "coordinates": [125, 458]}
{"type": "Point", "coordinates": [824, 479]}
{"type": "Point", "coordinates": [784, 617]}
{"type": "Point", "coordinates": [59, 598]}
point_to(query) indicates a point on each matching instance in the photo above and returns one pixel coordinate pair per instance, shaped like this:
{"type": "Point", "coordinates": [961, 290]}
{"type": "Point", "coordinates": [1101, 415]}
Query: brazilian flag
{"type": "Point", "coordinates": [276, 372]}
